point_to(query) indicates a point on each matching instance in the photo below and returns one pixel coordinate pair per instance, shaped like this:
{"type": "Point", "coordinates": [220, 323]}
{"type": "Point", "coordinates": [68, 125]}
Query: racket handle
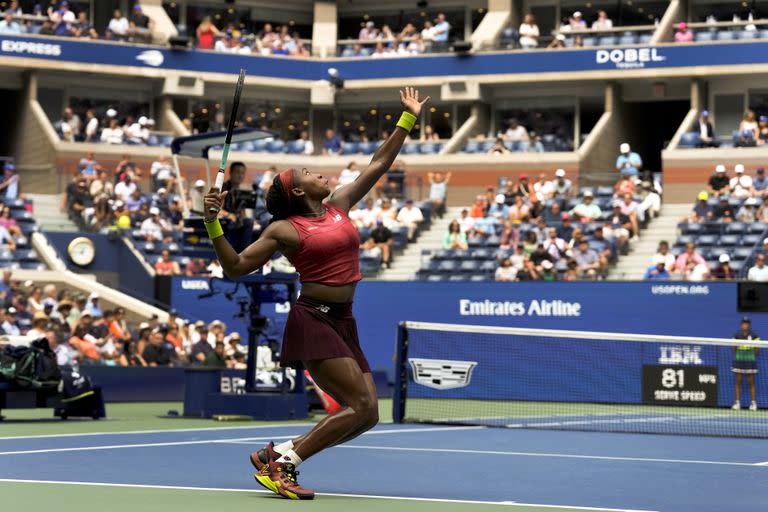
{"type": "Point", "coordinates": [217, 185]}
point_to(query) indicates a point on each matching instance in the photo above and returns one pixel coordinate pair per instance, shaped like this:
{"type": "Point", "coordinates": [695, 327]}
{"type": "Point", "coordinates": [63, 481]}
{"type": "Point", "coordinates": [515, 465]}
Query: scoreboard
{"type": "Point", "coordinates": [681, 385]}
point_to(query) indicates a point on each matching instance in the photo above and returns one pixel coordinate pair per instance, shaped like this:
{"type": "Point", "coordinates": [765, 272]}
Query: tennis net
{"type": "Point", "coordinates": [573, 380]}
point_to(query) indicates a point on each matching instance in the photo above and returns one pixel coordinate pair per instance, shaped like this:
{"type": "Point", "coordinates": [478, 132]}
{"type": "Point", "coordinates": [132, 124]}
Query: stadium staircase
{"type": "Point", "coordinates": [664, 227]}
{"type": "Point", "coordinates": [405, 265]}
{"type": "Point", "coordinates": [48, 215]}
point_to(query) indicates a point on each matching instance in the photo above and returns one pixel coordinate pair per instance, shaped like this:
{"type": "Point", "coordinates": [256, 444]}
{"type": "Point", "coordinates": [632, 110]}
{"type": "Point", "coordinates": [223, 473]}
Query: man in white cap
{"type": "Point", "coordinates": [92, 306]}
{"type": "Point", "coordinates": [718, 183]}
{"type": "Point", "coordinates": [576, 22]}
{"type": "Point", "coordinates": [137, 132]}
{"type": "Point", "coordinates": [741, 184]}
{"type": "Point", "coordinates": [160, 172]}
{"type": "Point", "coordinates": [748, 211]}
{"type": "Point", "coordinates": [587, 210]}
{"type": "Point", "coordinates": [723, 270]}
{"type": "Point", "coordinates": [152, 227]}
{"type": "Point", "coordinates": [498, 209]}
{"type": "Point", "coordinates": [561, 187]}
{"type": "Point", "coordinates": [628, 161]}
{"type": "Point", "coordinates": [658, 271]}
{"type": "Point", "coordinates": [196, 195]}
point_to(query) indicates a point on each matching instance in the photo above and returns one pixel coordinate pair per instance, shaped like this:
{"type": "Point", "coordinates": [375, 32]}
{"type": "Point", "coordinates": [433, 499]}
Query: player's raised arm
{"type": "Point", "coordinates": [382, 159]}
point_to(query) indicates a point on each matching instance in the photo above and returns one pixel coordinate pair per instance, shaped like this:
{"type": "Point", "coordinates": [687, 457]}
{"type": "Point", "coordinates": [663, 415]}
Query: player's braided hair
{"type": "Point", "coordinates": [277, 201]}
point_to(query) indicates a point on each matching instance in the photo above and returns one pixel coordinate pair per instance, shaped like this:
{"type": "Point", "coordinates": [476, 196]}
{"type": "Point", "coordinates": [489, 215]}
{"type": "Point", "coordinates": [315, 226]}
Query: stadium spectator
{"type": "Point", "coordinates": [152, 227]}
{"type": "Point", "coordinates": [348, 175]}
{"type": "Point", "coordinates": [13, 9]}
{"type": "Point", "coordinates": [515, 132]}
{"type": "Point", "coordinates": [587, 210]}
{"type": "Point", "coordinates": [118, 26]}
{"type": "Point", "coordinates": [719, 182]}
{"type": "Point", "coordinates": [539, 255]}
{"type": "Point", "coordinates": [748, 131]}
{"type": "Point", "coordinates": [557, 42]}
{"type": "Point", "coordinates": [368, 249]}
{"type": "Point", "coordinates": [683, 35]}
{"type": "Point", "coordinates": [91, 127]}
{"type": "Point", "coordinates": [723, 211]}
{"type": "Point", "coordinates": [689, 255]}
{"type": "Point", "coordinates": [411, 217]}
{"type": "Point", "coordinates": [112, 134]}
{"type": "Point", "coordinates": [740, 185]}
{"type": "Point", "coordinates": [216, 358]}
{"type": "Point", "coordinates": [331, 143]}
{"type": "Point", "coordinates": [553, 214]}
{"type": "Point", "coordinates": [603, 22]}
{"type": "Point", "coordinates": [139, 20]}
{"type": "Point", "coordinates": [387, 213]}
{"type": "Point", "coordinates": [664, 252]}
{"type": "Point", "coordinates": [165, 266]}
{"type": "Point", "coordinates": [206, 33]}
{"type": "Point", "coordinates": [499, 210]}
{"type": "Point", "coordinates": [438, 191]}
{"type": "Point", "coordinates": [622, 226]}
{"type": "Point", "coordinates": [587, 260]}
{"type": "Point", "coordinates": [429, 134]}
{"type": "Point", "coordinates": [196, 195]}
{"type": "Point", "coordinates": [454, 238]}
{"type": "Point", "coordinates": [548, 271]}
{"type": "Point", "coordinates": [762, 211]}
{"type": "Point", "coordinates": [10, 26]}
{"type": "Point", "coordinates": [126, 188]}
{"type": "Point", "coordinates": [760, 184]}
{"type": "Point", "coordinates": [466, 221]}
{"type": "Point", "coordinates": [519, 211]}
{"type": "Point", "coordinates": [650, 206]}
{"type": "Point", "coordinates": [555, 246]}
{"type": "Point", "coordinates": [441, 34]}
{"type": "Point", "coordinates": [9, 325]}
{"type": "Point", "coordinates": [658, 271]}
{"type": "Point", "coordinates": [562, 187]}
{"type": "Point", "coordinates": [706, 131]}
{"type": "Point", "coordinates": [628, 161]}
{"type": "Point", "coordinates": [723, 270]}
{"type": "Point", "coordinates": [83, 27]}
{"type": "Point", "coordinates": [748, 211]}
{"type": "Point", "coordinates": [529, 33]}
{"type": "Point", "coordinates": [382, 236]}
{"type": "Point", "coordinates": [9, 186]}
{"type": "Point", "coordinates": [157, 352]}
{"type": "Point", "coordinates": [565, 230]}
{"type": "Point", "coordinates": [576, 22]}
{"type": "Point", "coordinates": [509, 238]}
{"type": "Point", "coordinates": [369, 32]}
{"type": "Point", "coordinates": [625, 185]}
{"type": "Point", "coordinates": [629, 207]}
{"type": "Point", "coordinates": [61, 18]}
{"type": "Point", "coordinates": [759, 272]}
{"type": "Point", "coordinates": [506, 272]}
{"type": "Point", "coordinates": [762, 130]}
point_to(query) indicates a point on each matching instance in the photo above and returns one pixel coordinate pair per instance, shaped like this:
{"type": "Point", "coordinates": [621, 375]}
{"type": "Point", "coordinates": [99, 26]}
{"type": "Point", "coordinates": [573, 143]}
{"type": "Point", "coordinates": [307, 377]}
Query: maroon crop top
{"type": "Point", "coordinates": [329, 248]}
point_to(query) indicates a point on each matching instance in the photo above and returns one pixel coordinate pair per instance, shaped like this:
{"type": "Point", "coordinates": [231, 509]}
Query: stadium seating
{"type": "Point", "coordinates": [24, 256]}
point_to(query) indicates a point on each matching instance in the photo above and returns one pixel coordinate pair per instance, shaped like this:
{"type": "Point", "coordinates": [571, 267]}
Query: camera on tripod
{"type": "Point", "coordinates": [243, 199]}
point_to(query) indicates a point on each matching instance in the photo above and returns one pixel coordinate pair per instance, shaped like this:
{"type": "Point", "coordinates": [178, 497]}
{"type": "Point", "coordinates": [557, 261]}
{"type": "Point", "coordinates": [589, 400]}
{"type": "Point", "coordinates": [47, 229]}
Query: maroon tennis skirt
{"type": "Point", "coordinates": [321, 330]}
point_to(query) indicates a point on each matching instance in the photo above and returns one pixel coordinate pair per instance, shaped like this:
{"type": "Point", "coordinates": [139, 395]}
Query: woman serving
{"type": "Point", "coordinates": [320, 335]}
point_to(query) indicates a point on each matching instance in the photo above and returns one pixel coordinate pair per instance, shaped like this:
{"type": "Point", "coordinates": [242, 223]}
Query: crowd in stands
{"type": "Point", "coordinates": [112, 127]}
{"type": "Point", "coordinates": [720, 237]}
{"type": "Point", "coordinates": [383, 42]}
{"type": "Point", "coordinates": [545, 229]}
{"type": "Point", "coordinates": [61, 20]}
{"type": "Point", "coordinates": [81, 332]}
{"type": "Point", "coordinates": [236, 39]}
{"type": "Point", "coordinates": [740, 29]}
{"type": "Point", "coordinates": [550, 135]}
{"type": "Point", "coordinates": [751, 132]}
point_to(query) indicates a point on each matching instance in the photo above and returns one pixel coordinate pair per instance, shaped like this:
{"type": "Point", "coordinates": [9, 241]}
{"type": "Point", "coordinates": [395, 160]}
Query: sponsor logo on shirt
{"type": "Point", "coordinates": [311, 228]}
{"type": "Point", "coordinates": [337, 217]}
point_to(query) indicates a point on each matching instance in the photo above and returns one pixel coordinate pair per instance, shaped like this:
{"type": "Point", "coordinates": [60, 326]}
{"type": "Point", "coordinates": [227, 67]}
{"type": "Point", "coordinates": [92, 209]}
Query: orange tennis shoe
{"type": "Point", "coordinates": [280, 478]}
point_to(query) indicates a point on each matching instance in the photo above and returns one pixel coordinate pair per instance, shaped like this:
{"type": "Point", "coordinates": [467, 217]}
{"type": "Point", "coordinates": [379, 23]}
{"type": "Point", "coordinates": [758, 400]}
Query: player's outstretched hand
{"type": "Point", "coordinates": [213, 202]}
{"type": "Point", "coordinates": [410, 100]}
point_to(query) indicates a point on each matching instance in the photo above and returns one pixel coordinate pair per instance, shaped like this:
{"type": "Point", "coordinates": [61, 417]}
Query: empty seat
{"type": "Point", "coordinates": [457, 277]}
{"type": "Point", "coordinates": [468, 266]}
{"type": "Point", "coordinates": [478, 278]}
{"type": "Point", "coordinates": [726, 35]}
{"type": "Point", "coordinates": [608, 40]}
{"type": "Point", "coordinates": [629, 39]}
{"type": "Point", "coordinates": [690, 140]}
{"type": "Point", "coordinates": [275, 146]}
{"type": "Point", "coordinates": [488, 266]}
{"type": "Point", "coordinates": [742, 253]}
{"type": "Point", "coordinates": [747, 34]}
{"type": "Point", "coordinates": [246, 146]}
{"type": "Point", "coordinates": [435, 278]}
{"type": "Point", "coordinates": [690, 228]}
{"type": "Point", "coordinates": [736, 228]}
{"type": "Point", "coordinates": [350, 148]}
{"type": "Point", "coordinates": [604, 192]}
{"type": "Point", "coordinates": [481, 254]}
{"type": "Point", "coordinates": [684, 239]}
{"type": "Point", "coordinates": [259, 145]}
{"type": "Point", "coordinates": [750, 240]}
{"type": "Point", "coordinates": [706, 240]}
{"type": "Point", "coordinates": [645, 38]}
{"type": "Point", "coordinates": [589, 41]}
{"type": "Point", "coordinates": [410, 149]}
{"type": "Point", "coordinates": [472, 146]}
{"type": "Point", "coordinates": [703, 36]}
{"type": "Point", "coordinates": [430, 148]}
{"type": "Point", "coordinates": [757, 227]}
{"type": "Point", "coordinates": [729, 240]}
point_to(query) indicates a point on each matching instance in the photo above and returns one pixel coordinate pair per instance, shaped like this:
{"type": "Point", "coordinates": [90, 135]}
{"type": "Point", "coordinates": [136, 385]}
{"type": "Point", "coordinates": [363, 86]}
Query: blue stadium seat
{"type": "Point", "coordinates": [492, 241]}
{"type": "Point", "coordinates": [604, 192]}
{"type": "Point", "coordinates": [435, 278]}
{"type": "Point", "coordinates": [645, 38]}
{"type": "Point", "coordinates": [742, 253]}
{"type": "Point", "coordinates": [481, 254]}
{"type": "Point", "coordinates": [447, 266]}
{"type": "Point", "coordinates": [429, 148]}
{"type": "Point", "coordinates": [153, 140]}
{"type": "Point", "coordinates": [684, 239]}
{"type": "Point", "coordinates": [478, 278]}
{"type": "Point", "coordinates": [411, 148]}
{"type": "Point", "coordinates": [488, 266]}
{"type": "Point", "coordinates": [276, 146]}
{"type": "Point", "coordinates": [347, 52]}
{"type": "Point", "coordinates": [736, 228]}
{"type": "Point", "coordinates": [472, 146]}
{"type": "Point", "coordinates": [690, 140]}
{"type": "Point", "coordinates": [764, 33]}
{"type": "Point", "coordinates": [235, 146]}
{"type": "Point", "coordinates": [350, 148]}
{"type": "Point", "coordinates": [608, 41]}
{"type": "Point", "coordinates": [259, 145]}
{"type": "Point", "coordinates": [487, 145]}
{"type": "Point", "coordinates": [751, 240]}
{"type": "Point", "coordinates": [468, 266]}
{"type": "Point", "coordinates": [747, 34]}
{"type": "Point", "coordinates": [246, 146]}
{"type": "Point", "coordinates": [476, 241]}
{"type": "Point", "coordinates": [729, 240]}
{"type": "Point", "coordinates": [725, 35]}
{"type": "Point", "coordinates": [631, 39]}
{"type": "Point", "coordinates": [757, 227]}
{"type": "Point", "coordinates": [589, 41]}
{"type": "Point", "coordinates": [706, 240]}
{"type": "Point", "coordinates": [702, 36]}
{"type": "Point", "coordinates": [166, 140]}
{"type": "Point", "coordinates": [368, 148]}
{"type": "Point", "coordinates": [296, 147]}
{"type": "Point", "coordinates": [457, 277]}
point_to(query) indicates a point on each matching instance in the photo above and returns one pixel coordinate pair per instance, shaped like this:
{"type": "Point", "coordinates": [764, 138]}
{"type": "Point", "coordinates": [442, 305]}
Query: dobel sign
{"type": "Point", "coordinates": [629, 57]}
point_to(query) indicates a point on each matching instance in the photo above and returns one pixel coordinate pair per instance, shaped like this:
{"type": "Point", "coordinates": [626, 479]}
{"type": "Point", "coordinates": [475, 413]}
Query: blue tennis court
{"type": "Point", "coordinates": [429, 466]}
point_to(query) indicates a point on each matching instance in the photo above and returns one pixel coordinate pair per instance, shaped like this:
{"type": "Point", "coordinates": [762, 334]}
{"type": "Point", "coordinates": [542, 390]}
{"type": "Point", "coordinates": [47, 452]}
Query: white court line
{"type": "Point", "coordinates": [236, 440]}
{"type": "Point", "coordinates": [552, 455]}
{"type": "Point", "coordinates": [160, 431]}
{"type": "Point", "coordinates": [401, 498]}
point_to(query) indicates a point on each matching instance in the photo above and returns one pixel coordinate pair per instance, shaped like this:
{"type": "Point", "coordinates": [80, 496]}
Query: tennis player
{"type": "Point", "coordinates": [313, 231]}
{"type": "Point", "coordinates": [745, 363]}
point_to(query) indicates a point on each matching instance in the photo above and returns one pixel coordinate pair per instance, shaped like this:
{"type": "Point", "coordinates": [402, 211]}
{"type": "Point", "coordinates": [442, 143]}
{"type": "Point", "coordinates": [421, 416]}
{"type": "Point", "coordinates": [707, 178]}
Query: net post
{"type": "Point", "coordinates": [401, 374]}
